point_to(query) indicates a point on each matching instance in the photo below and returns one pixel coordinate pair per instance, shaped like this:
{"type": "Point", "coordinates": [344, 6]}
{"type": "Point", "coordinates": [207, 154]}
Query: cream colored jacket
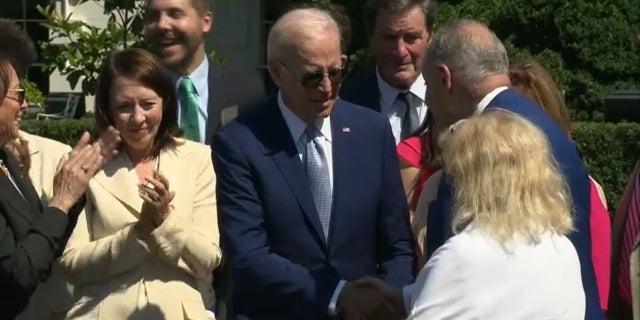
{"type": "Point", "coordinates": [53, 295]}
{"type": "Point", "coordinates": [120, 276]}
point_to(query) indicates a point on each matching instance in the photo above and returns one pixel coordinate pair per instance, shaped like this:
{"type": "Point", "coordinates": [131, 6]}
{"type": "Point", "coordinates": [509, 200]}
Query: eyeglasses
{"type": "Point", "coordinates": [20, 97]}
{"type": "Point", "coordinates": [311, 80]}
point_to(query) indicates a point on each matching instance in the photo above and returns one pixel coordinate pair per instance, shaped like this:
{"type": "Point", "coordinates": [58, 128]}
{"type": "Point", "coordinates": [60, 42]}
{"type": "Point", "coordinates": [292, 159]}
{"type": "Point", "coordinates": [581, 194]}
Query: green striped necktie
{"type": "Point", "coordinates": [189, 110]}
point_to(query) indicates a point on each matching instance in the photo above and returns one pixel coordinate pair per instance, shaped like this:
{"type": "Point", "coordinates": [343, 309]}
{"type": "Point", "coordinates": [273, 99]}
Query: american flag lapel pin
{"type": "Point", "coordinates": [346, 129]}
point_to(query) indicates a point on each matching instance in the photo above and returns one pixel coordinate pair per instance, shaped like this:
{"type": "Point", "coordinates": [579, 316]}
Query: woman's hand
{"type": "Point", "coordinates": [73, 173]}
{"type": "Point", "coordinates": [157, 200]}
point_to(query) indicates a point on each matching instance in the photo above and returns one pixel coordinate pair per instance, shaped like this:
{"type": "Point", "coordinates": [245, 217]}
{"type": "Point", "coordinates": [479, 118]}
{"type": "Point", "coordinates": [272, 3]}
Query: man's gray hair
{"type": "Point", "coordinates": [470, 50]}
{"type": "Point", "coordinates": [297, 24]}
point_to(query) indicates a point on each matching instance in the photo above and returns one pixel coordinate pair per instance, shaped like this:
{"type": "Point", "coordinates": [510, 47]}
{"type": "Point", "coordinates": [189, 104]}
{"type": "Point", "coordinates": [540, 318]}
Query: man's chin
{"type": "Point", "coordinates": [402, 79]}
{"type": "Point", "coordinates": [172, 61]}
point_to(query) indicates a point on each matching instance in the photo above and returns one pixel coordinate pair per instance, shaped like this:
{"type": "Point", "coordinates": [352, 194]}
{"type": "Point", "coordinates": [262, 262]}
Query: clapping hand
{"type": "Point", "coordinates": [105, 146]}
{"type": "Point", "coordinates": [157, 201]}
{"type": "Point", "coordinates": [74, 172]}
{"type": "Point", "coordinates": [371, 299]}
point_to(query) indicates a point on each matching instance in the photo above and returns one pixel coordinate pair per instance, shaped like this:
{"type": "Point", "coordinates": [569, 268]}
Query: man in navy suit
{"type": "Point", "coordinates": [466, 71]}
{"type": "Point", "coordinates": [399, 32]}
{"type": "Point", "coordinates": [309, 192]}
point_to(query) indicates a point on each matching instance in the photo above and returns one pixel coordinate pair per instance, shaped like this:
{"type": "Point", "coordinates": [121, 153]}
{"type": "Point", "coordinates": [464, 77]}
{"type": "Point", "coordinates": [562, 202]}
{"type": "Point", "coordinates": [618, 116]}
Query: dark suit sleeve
{"type": "Point", "coordinates": [396, 259]}
{"type": "Point", "coordinates": [26, 262]}
{"type": "Point", "coordinates": [267, 277]}
{"type": "Point", "coordinates": [438, 220]}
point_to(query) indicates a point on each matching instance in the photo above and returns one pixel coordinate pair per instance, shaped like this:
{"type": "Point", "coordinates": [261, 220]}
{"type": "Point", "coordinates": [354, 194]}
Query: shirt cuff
{"type": "Point", "coordinates": [333, 304]}
{"type": "Point", "coordinates": [408, 292]}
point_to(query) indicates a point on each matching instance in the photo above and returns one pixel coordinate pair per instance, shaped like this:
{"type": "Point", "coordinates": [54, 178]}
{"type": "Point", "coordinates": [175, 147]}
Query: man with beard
{"type": "Point", "coordinates": [399, 32]}
{"type": "Point", "coordinates": [209, 95]}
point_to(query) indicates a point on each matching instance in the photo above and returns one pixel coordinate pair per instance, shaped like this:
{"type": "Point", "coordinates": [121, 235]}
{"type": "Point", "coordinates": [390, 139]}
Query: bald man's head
{"type": "Point", "coordinates": [296, 27]}
{"type": "Point", "coordinates": [305, 61]}
{"type": "Point", "coordinates": [470, 50]}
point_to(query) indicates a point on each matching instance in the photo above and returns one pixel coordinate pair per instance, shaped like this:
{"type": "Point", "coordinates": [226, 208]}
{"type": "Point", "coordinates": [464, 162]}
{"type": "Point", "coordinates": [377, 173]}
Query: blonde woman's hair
{"type": "Point", "coordinates": [505, 180]}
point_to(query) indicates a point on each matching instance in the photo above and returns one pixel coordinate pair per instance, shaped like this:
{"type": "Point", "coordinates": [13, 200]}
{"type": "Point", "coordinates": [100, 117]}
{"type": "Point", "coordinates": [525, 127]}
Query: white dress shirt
{"type": "Point", "coordinates": [472, 277]}
{"type": "Point", "coordinates": [296, 128]}
{"type": "Point", "coordinates": [483, 104]}
{"type": "Point", "coordinates": [395, 111]}
{"type": "Point", "coordinates": [200, 79]}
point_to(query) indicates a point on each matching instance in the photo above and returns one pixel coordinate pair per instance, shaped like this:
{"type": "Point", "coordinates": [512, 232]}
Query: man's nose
{"type": "Point", "coordinates": [400, 48]}
{"type": "Point", "coordinates": [163, 22]}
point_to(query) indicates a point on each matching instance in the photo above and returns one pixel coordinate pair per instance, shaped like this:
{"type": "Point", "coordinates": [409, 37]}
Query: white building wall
{"type": "Point", "coordinates": [92, 13]}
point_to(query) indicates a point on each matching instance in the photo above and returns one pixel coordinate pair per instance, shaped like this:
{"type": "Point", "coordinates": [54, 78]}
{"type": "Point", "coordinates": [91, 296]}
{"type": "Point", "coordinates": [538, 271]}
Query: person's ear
{"type": "Point", "coordinates": [207, 22]}
{"type": "Point", "coordinates": [275, 72]}
{"type": "Point", "coordinates": [446, 76]}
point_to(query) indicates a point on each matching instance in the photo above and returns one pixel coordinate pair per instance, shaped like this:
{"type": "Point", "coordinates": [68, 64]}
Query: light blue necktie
{"type": "Point", "coordinates": [317, 169]}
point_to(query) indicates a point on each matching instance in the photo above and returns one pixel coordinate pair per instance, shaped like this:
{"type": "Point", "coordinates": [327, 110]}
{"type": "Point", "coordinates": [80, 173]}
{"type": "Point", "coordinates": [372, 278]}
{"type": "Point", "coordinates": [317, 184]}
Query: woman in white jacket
{"type": "Point", "coordinates": [510, 257]}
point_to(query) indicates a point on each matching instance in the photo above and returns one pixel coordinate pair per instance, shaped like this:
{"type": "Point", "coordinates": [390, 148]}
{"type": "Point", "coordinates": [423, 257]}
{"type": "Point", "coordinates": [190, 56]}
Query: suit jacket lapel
{"type": "Point", "coordinates": [168, 161]}
{"type": "Point", "coordinates": [215, 100]}
{"type": "Point", "coordinates": [35, 172]}
{"type": "Point", "coordinates": [342, 160]}
{"type": "Point", "coordinates": [25, 201]}
{"type": "Point", "coordinates": [281, 148]}
{"type": "Point", "coordinates": [118, 177]}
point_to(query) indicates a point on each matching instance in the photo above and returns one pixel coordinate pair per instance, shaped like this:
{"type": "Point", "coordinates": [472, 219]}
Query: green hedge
{"type": "Point", "coordinates": [609, 150]}
{"type": "Point", "coordinates": [66, 131]}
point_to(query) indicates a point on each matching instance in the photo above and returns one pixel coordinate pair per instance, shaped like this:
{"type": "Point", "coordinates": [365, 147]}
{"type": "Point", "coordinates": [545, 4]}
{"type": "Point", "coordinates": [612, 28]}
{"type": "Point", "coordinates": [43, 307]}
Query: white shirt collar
{"type": "Point", "coordinates": [487, 99]}
{"type": "Point", "coordinates": [199, 77]}
{"type": "Point", "coordinates": [481, 105]}
{"type": "Point", "coordinates": [297, 126]}
{"type": "Point", "coordinates": [388, 93]}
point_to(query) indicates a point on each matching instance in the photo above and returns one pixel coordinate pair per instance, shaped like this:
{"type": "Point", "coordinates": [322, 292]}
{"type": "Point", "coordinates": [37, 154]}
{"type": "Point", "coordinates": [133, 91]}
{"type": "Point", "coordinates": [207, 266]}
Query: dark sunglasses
{"type": "Point", "coordinates": [311, 80]}
{"type": "Point", "coordinates": [20, 95]}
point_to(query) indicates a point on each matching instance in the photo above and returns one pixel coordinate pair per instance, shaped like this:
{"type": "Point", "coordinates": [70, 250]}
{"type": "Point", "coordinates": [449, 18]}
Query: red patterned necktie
{"type": "Point", "coordinates": [629, 238]}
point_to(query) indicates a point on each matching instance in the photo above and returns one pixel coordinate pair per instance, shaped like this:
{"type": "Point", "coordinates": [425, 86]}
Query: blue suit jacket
{"type": "Point", "coordinates": [575, 173]}
{"type": "Point", "coordinates": [282, 267]}
{"type": "Point", "coordinates": [362, 89]}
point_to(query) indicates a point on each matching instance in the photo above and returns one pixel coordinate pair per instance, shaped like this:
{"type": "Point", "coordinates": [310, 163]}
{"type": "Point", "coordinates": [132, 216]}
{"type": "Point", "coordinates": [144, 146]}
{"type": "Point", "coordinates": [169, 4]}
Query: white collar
{"type": "Point", "coordinates": [297, 126]}
{"type": "Point", "coordinates": [487, 99]}
{"type": "Point", "coordinates": [389, 93]}
{"type": "Point", "coordinates": [199, 77]}
{"type": "Point", "coordinates": [481, 105]}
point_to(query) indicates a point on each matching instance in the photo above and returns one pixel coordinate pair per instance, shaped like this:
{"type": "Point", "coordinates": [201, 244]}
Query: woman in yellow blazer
{"type": "Point", "coordinates": [147, 242]}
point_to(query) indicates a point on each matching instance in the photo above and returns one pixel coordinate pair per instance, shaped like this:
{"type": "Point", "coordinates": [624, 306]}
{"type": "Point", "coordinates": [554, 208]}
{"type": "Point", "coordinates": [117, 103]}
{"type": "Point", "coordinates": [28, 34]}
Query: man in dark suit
{"type": "Point", "coordinates": [399, 32]}
{"type": "Point", "coordinates": [209, 95]}
{"type": "Point", "coordinates": [309, 194]}
{"type": "Point", "coordinates": [466, 70]}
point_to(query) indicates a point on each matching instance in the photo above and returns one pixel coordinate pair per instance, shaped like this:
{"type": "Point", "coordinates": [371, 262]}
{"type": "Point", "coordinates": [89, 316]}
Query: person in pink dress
{"type": "Point", "coordinates": [419, 159]}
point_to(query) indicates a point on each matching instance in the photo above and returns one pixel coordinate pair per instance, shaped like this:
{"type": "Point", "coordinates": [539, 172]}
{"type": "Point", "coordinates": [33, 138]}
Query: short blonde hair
{"type": "Point", "coordinates": [505, 179]}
